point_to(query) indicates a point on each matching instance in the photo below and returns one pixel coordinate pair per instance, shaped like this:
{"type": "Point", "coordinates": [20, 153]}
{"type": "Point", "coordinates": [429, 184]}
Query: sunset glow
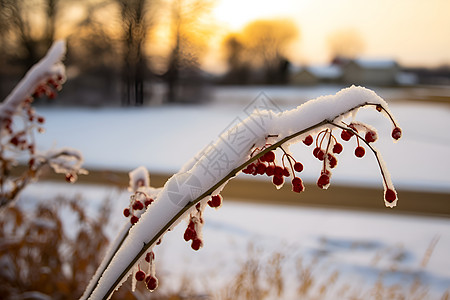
{"type": "Point", "coordinates": [414, 32]}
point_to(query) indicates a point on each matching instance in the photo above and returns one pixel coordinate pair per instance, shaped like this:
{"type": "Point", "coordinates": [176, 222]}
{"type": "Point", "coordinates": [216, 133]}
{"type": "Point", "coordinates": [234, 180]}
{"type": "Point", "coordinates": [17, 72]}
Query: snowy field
{"type": "Point", "coordinates": [361, 246]}
{"type": "Point", "coordinates": [163, 138]}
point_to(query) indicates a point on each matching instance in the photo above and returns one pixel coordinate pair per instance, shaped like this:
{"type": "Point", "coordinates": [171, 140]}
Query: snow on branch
{"type": "Point", "coordinates": [247, 147]}
{"type": "Point", "coordinates": [19, 121]}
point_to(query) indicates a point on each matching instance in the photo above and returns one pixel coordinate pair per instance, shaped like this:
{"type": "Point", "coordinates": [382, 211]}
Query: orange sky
{"type": "Point", "coordinates": [415, 32]}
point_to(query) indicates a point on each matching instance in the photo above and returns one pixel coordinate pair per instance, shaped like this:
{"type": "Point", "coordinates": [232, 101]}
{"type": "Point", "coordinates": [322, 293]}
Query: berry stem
{"type": "Point", "coordinates": [375, 152]}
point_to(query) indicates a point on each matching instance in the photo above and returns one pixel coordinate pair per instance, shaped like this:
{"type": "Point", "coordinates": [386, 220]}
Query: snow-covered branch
{"type": "Point", "coordinates": [248, 147]}
{"type": "Point", "coordinates": [19, 121]}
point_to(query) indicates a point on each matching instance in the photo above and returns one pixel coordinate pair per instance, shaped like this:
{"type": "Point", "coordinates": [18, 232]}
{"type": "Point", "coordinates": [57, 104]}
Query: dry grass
{"type": "Point", "coordinates": [40, 260]}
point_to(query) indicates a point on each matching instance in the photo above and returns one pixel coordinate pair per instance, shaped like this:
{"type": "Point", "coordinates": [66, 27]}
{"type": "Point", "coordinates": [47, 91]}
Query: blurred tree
{"type": "Point", "coordinates": [345, 44]}
{"type": "Point", "coordinates": [238, 65]}
{"type": "Point", "coordinates": [136, 20]}
{"type": "Point", "coordinates": [189, 35]}
{"type": "Point", "coordinates": [266, 43]}
{"type": "Point", "coordinates": [28, 28]}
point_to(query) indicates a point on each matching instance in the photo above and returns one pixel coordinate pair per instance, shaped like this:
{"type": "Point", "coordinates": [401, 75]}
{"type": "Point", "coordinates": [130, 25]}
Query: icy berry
{"type": "Point", "coordinates": [149, 256]}
{"type": "Point", "coordinates": [371, 136]}
{"type": "Point", "coordinates": [269, 156]}
{"type": "Point", "coordinates": [278, 180]}
{"type": "Point", "coordinates": [148, 201]}
{"type": "Point", "coordinates": [270, 170]}
{"type": "Point", "coordinates": [359, 151]}
{"type": "Point", "coordinates": [396, 133]}
{"type": "Point", "coordinates": [298, 167]}
{"type": "Point", "coordinates": [215, 201]}
{"type": "Point", "coordinates": [190, 234]}
{"type": "Point", "coordinates": [346, 135]}
{"type": "Point", "coordinates": [70, 178]}
{"type": "Point", "coordinates": [196, 244]}
{"type": "Point", "coordinates": [134, 219]}
{"type": "Point", "coordinates": [390, 195]}
{"type": "Point", "coordinates": [126, 212]}
{"type": "Point", "coordinates": [138, 205]}
{"type": "Point", "coordinates": [323, 180]}
{"type": "Point", "coordinates": [337, 148]}
{"type": "Point", "coordinates": [332, 161]}
{"type": "Point", "coordinates": [308, 140]}
{"type": "Point", "coordinates": [140, 275]}
{"type": "Point", "coordinates": [297, 185]}
{"type": "Point", "coordinates": [320, 154]}
{"type": "Point", "coordinates": [151, 282]}
{"type": "Point", "coordinates": [250, 169]}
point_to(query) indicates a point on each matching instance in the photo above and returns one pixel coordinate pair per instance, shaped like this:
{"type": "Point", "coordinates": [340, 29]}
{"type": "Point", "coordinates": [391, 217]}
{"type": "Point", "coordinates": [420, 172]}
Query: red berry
{"type": "Point", "coordinates": [323, 180]}
{"type": "Point", "coordinates": [316, 151]}
{"type": "Point", "coordinates": [359, 151]}
{"type": "Point", "coordinates": [215, 201]}
{"type": "Point", "coordinates": [332, 161]}
{"type": "Point", "coordinates": [250, 169]}
{"type": "Point", "coordinates": [148, 201]}
{"type": "Point", "coordinates": [346, 135]}
{"type": "Point", "coordinates": [126, 212]}
{"type": "Point", "coordinates": [286, 172]}
{"type": "Point", "coordinates": [137, 205]}
{"type": "Point", "coordinates": [390, 195]}
{"type": "Point", "coordinates": [278, 172]}
{"type": "Point", "coordinates": [140, 275]}
{"type": "Point", "coordinates": [151, 282]}
{"type": "Point", "coordinates": [270, 170]}
{"type": "Point", "coordinates": [269, 156]}
{"type": "Point", "coordinates": [337, 148]}
{"type": "Point", "coordinates": [41, 119]}
{"type": "Point", "coordinates": [308, 140]}
{"type": "Point", "coordinates": [261, 168]}
{"type": "Point", "coordinates": [134, 219]}
{"type": "Point", "coordinates": [196, 244]}
{"type": "Point", "coordinates": [396, 133]}
{"type": "Point", "coordinates": [278, 180]}
{"type": "Point", "coordinates": [320, 154]}
{"type": "Point", "coordinates": [371, 136]}
{"type": "Point", "coordinates": [190, 234]}
{"type": "Point", "coordinates": [297, 185]}
{"type": "Point", "coordinates": [298, 167]}
{"type": "Point", "coordinates": [14, 140]}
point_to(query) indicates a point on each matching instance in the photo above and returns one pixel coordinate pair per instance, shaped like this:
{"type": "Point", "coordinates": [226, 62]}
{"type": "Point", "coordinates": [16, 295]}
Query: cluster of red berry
{"type": "Point", "coordinates": [50, 88]}
{"type": "Point", "coordinates": [138, 201]}
{"type": "Point", "coordinates": [267, 165]}
{"type": "Point", "coordinates": [150, 279]}
{"type": "Point", "coordinates": [326, 149]}
{"type": "Point", "coordinates": [21, 137]}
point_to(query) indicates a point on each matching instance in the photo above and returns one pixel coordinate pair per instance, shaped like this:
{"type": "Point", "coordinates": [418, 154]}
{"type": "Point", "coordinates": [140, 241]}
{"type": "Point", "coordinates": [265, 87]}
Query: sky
{"type": "Point", "coordinates": [414, 32]}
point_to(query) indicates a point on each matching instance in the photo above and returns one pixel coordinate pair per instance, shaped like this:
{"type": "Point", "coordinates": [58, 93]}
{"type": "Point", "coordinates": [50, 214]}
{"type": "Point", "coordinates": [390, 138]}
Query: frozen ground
{"type": "Point", "coordinates": [361, 247]}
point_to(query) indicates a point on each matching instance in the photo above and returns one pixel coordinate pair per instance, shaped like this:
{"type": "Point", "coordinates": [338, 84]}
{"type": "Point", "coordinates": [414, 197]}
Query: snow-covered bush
{"type": "Point", "coordinates": [248, 147]}
{"type": "Point", "coordinates": [19, 122]}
